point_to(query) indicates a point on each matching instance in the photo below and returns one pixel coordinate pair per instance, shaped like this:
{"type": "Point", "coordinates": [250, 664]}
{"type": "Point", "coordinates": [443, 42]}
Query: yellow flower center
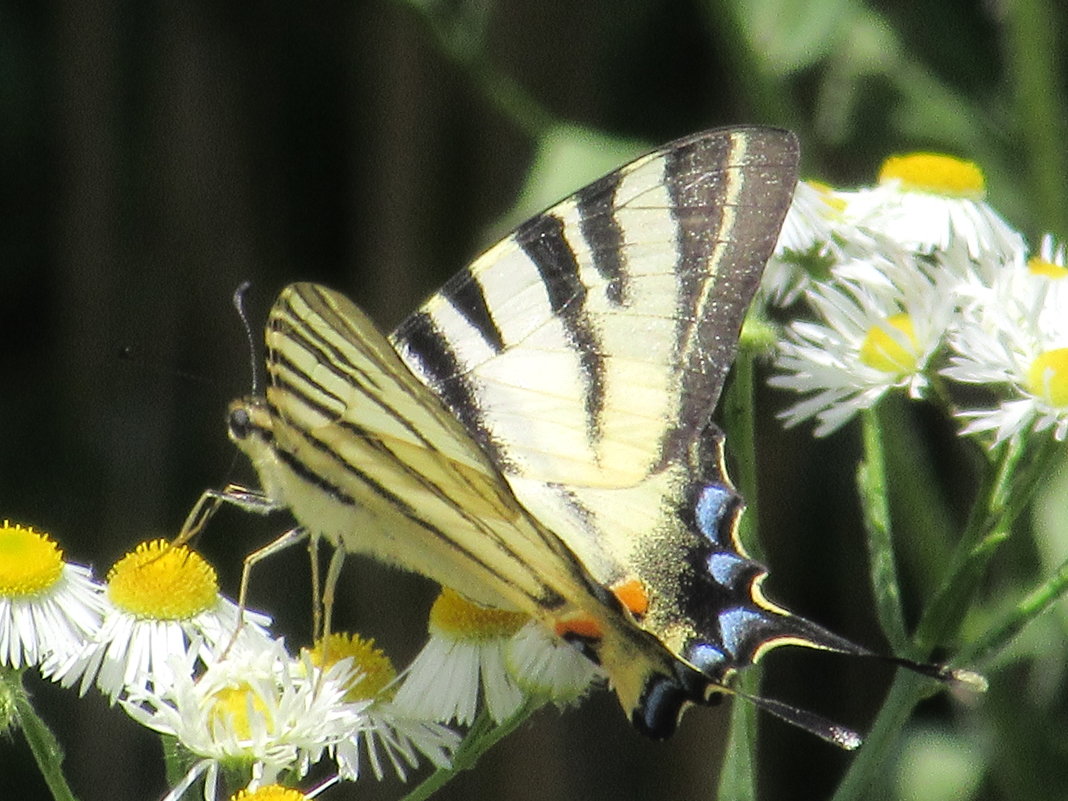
{"type": "Point", "coordinates": [1048, 377]}
{"type": "Point", "coordinates": [158, 581]}
{"type": "Point", "coordinates": [456, 617]}
{"type": "Point", "coordinates": [936, 174]}
{"type": "Point", "coordinates": [374, 670]}
{"type": "Point", "coordinates": [272, 792]}
{"type": "Point", "coordinates": [891, 351]}
{"type": "Point", "coordinates": [827, 195]}
{"type": "Point", "coordinates": [30, 562]}
{"type": "Point", "coordinates": [231, 708]}
{"type": "Point", "coordinates": [1039, 266]}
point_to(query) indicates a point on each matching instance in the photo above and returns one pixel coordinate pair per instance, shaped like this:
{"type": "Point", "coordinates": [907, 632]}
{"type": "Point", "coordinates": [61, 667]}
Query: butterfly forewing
{"type": "Point", "coordinates": [587, 351]}
{"type": "Point", "coordinates": [589, 343]}
{"type": "Point", "coordinates": [381, 466]}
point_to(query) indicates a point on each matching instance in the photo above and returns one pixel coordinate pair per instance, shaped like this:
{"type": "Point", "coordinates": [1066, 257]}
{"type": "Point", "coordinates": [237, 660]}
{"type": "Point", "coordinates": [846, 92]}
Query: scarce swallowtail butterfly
{"type": "Point", "coordinates": [537, 435]}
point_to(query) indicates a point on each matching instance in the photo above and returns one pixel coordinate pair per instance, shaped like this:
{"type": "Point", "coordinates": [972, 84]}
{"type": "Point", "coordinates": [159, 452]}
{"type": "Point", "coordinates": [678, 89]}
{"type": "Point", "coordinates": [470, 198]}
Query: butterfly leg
{"type": "Point", "coordinates": [290, 538]}
{"type": "Point", "coordinates": [313, 554]}
{"type": "Point", "coordinates": [249, 500]}
{"type": "Point", "coordinates": [333, 573]}
{"type": "Point", "coordinates": [209, 502]}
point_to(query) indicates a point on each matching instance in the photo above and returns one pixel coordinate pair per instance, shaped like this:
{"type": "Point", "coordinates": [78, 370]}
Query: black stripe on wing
{"type": "Point", "coordinates": [285, 322]}
{"type": "Point", "coordinates": [439, 363]}
{"type": "Point", "coordinates": [543, 241]}
{"type": "Point", "coordinates": [596, 206]}
{"type": "Point", "coordinates": [465, 294]}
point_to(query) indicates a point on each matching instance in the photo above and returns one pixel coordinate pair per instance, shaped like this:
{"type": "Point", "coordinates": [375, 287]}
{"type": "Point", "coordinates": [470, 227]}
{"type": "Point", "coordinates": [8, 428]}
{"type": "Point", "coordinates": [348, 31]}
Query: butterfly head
{"type": "Point", "coordinates": [250, 425]}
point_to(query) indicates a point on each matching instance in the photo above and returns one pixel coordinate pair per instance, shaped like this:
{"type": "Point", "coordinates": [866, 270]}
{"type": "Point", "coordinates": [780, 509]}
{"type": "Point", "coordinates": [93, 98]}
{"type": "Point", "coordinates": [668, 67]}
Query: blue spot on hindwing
{"type": "Point", "coordinates": [726, 568]}
{"type": "Point", "coordinates": [706, 657]}
{"type": "Point", "coordinates": [736, 626]}
{"type": "Point", "coordinates": [712, 505]}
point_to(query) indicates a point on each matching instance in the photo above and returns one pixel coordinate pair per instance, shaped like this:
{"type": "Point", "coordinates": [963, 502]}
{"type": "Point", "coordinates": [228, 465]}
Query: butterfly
{"type": "Point", "coordinates": [538, 435]}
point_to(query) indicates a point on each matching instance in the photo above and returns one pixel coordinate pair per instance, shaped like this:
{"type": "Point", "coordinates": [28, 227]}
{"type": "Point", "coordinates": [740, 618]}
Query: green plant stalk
{"type": "Point", "coordinates": [738, 774]}
{"type": "Point", "coordinates": [1032, 51]}
{"type": "Point", "coordinates": [871, 760]}
{"type": "Point", "coordinates": [925, 529]}
{"type": "Point", "coordinates": [1005, 493]}
{"type": "Point", "coordinates": [875, 505]}
{"type": "Point", "coordinates": [175, 759]}
{"type": "Point", "coordinates": [44, 746]}
{"type": "Point", "coordinates": [1027, 609]}
{"type": "Point", "coordinates": [481, 737]}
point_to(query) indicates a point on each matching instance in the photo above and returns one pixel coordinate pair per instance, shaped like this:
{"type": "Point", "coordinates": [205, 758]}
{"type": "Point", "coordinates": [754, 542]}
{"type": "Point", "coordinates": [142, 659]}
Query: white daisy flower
{"type": "Point", "coordinates": [805, 246]}
{"type": "Point", "coordinates": [48, 608]}
{"type": "Point", "coordinates": [881, 322]}
{"type": "Point", "coordinates": [255, 710]}
{"type": "Point", "coordinates": [810, 220]}
{"type": "Point", "coordinates": [929, 203]}
{"type": "Point", "coordinates": [389, 732]}
{"type": "Point", "coordinates": [545, 666]}
{"type": "Point", "coordinates": [163, 599]}
{"type": "Point", "coordinates": [463, 660]}
{"type": "Point", "coordinates": [1016, 336]}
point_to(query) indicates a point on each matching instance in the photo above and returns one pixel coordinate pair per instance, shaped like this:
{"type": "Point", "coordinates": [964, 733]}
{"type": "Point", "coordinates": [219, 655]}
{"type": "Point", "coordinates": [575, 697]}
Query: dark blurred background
{"type": "Point", "coordinates": [154, 155]}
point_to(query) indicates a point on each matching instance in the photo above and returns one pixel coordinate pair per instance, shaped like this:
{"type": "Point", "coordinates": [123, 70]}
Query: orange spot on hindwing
{"type": "Point", "coordinates": [632, 595]}
{"type": "Point", "coordinates": [579, 627]}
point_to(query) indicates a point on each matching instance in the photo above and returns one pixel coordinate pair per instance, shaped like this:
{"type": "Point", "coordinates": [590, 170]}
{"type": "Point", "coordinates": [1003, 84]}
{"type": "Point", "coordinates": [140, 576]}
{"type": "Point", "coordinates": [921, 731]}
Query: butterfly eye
{"type": "Point", "coordinates": [240, 423]}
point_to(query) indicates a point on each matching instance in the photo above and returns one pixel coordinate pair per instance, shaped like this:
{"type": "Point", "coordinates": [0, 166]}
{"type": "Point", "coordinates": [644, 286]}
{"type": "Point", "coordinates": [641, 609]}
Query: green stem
{"type": "Point", "coordinates": [1032, 50]}
{"type": "Point", "coordinates": [44, 746]}
{"type": "Point", "coordinates": [924, 527]}
{"type": "Point", "coordinates": [871, 760]}
{"type": "Point", "coordinates": [738, 773]}
{"type": "Point", "coordinates": [982, 535]}
{"type": "Point", "coordinates": [875, 504]}
{"type": "Point", "coordinates": [482, 736]}
{"type": "Point", "coordinates": [1006, 492]}
{"type": "Point", "coordinates": [1031, 606]}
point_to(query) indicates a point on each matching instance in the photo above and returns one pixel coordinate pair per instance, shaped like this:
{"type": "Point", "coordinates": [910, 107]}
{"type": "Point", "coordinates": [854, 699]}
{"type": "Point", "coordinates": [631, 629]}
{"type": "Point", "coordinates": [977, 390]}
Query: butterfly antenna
{"type": "Point", "coordinates": [239, 304]}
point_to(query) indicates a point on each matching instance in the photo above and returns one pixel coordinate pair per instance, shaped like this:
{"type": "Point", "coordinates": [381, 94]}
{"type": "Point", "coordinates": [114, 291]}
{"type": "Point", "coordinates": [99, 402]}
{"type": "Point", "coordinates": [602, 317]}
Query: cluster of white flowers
{"type": "Point", "coordinates": [161, 641]}
{"type": "Point", "coordinates": [910, 283]}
